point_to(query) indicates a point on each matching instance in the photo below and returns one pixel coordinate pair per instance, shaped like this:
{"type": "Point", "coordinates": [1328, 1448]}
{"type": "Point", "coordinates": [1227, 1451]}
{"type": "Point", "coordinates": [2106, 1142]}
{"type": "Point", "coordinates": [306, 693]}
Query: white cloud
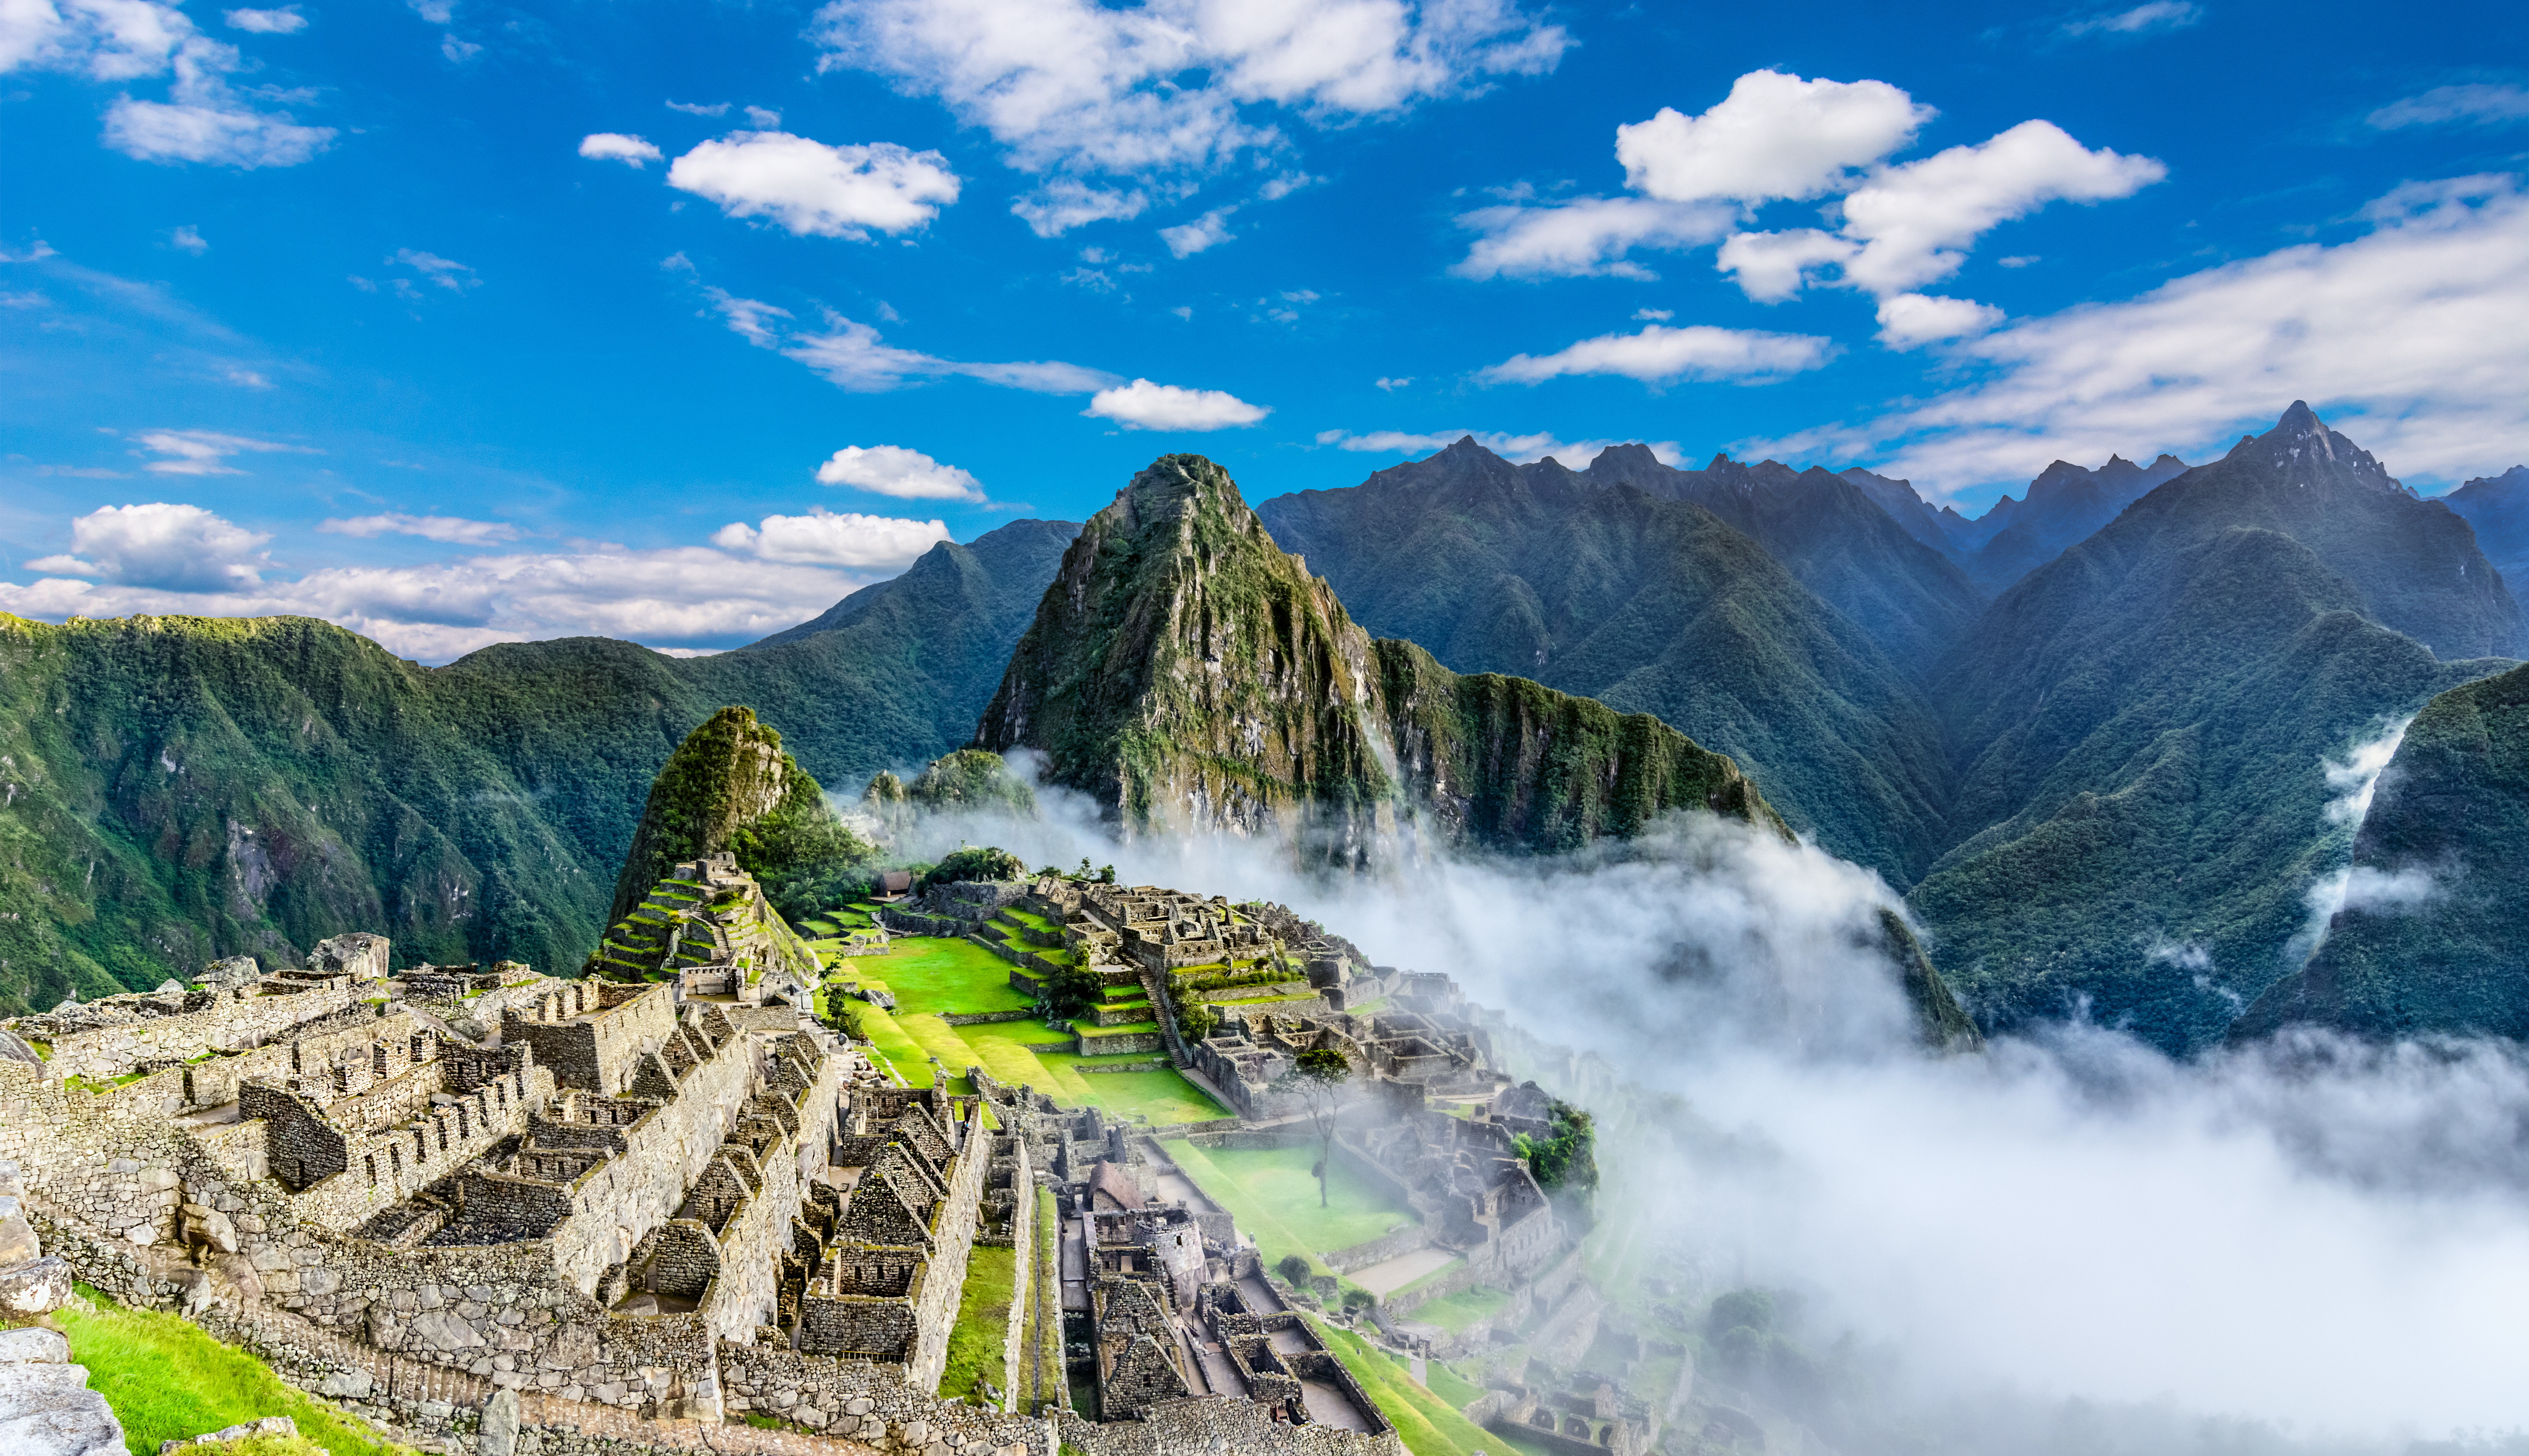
{"type": "Point", "coordinates": [1653, 316]}
{"type": "Point", "coordinates": [1083, 87]}
{"type": "Point", "coordinates": [2412, 338]}
{"type": "Point", "coordinates": [1208, 231]}
{"type": "Point", "coordinates": [166, 558]}
{"type": "Point", "coordinates": [1774, 135]}
{"type": "Point", "coordinates": [201, 452]}
{"type": "Point", "coordinates": [1392, 385]}
{"type": "Point", "coordinates": [122, 41]}
{"type": "Point", "coordinates": [1144, 406]}
{"type": "Point", "coordinates": [824, 538]}
{"type": "Point", "coordinates": [2481, 103]}
{"type": "Point", "coordinates": [432, 12]}
{"type": "Point", "coordinates": [1521, 449]}
{"type": "Point", "coordinates": [696, 108]}
{"type": "Point", "coordinates": [164, 545]}
{"type": "Point", "coordinates": [2145, 18]}
{"type": "Point", "coordinates": [1659, 354]}
{"type": "Point", "coordinates": [1066, 202]}
{"type": "Point", "coordinates": [763, 118]}
{"type": "Point", "coordinates": [1588, 236]}
{"type": "Point", "coordinates": [457, 51]}
{"type": "Point", "coordinates": [616, 146]}
{"type": "Point", "coordinates": [189, 239]}
{"type": "Point", "coordinates": [1908, 320]}
{"type": "Point", "coordinates": [1914, 222]}
{"type": "Point", "coordinates": [750, 319]}
{"type": "Point", "coordinates": [286, 20]}
{"type": "Point", "coordinates": [894, 470]}
{"type": "Point", "coordinates": [810, 187]}
{"type": "Point", "coordinates": [1285, 184]}
{"type": "Point", "coordinates": [1770, 267]}
{"type": "Point", "coordinates": [455, 530]}
{"type": "Point", "coordinates": [850, 354]}
{"type": "Point", "coordinates": [447, 273]}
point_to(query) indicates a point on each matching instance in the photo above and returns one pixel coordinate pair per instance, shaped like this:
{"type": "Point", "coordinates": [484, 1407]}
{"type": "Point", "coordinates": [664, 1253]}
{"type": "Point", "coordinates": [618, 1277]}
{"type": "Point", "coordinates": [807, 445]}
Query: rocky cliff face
{"type": "Point", "coordinates": [1189, 674]}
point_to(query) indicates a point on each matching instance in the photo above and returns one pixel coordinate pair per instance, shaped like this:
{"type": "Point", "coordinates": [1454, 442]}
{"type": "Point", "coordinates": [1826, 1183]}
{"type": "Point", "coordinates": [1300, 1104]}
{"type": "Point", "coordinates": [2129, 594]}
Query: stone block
{"type": "Point", "coordinates": [18, 1241]}
{"type": "Point", "coordinates": [350, 1384]}
{"type": "Point", "coordinates": [47, 1410]}
{"type": "Point", "coordinates": [33, 1347]}
{"type": "Point", "coordinates": [497, 1435]}
{"type": "Point", "coordinates": [35, 1289]}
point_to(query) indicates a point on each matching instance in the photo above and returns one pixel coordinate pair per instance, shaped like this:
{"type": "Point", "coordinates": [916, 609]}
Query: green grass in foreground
{"type": "Point", "coordinates": [168, 1381]}
{"type": "Point", "coordinates": [1272, 1196]}
{"type": "Point", "coordinates": [977, 1342]}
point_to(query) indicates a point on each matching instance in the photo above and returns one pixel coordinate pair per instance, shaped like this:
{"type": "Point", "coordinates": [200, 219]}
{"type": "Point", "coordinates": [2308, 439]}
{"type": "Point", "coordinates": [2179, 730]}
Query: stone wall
{"type": "Point", "coordinates": [234, 1019]}
{"type": "Point", "coordinates": [1219, 1426]}
{"type": "Point", "coordinates": [945, 1281]}
{"type": "Point", "coordinates": [594, 1046]}
{"type": "Point", "coordinates": [870, 1402]}
{"type": "Point", "coordinates": [1377, 1251]}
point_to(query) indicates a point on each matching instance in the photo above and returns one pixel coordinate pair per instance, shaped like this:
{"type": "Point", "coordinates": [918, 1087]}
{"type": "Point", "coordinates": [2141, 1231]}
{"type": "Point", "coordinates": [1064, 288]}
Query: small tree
{"type": "Point", "coordinates": [1318, 1079]}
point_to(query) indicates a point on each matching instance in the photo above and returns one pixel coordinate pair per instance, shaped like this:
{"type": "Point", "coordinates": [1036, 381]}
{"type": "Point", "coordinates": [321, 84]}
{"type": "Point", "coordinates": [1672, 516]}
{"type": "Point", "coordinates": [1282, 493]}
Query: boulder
{"type": "Point", "coordinates": [47, 1410]}
{"type": "Point", "coordinates": [268, 1425]}
{"type": "Point", "coordinates": [361, 956]}
{"type": "Point", "coordinates": [35, 1347]}
{"type": "Point", "coordinates": [237, 970]}
{"type": "Point", "coordinates": [39, 1287]}
{"type": "Point", "coordinates": [204, 1224]}
{"type": "Point", "coordinates": [350, 1384]}
{"type": "Point", "coordinates": [14, 1048]}
{"type": "Point", "coordinates": [18, 1241]}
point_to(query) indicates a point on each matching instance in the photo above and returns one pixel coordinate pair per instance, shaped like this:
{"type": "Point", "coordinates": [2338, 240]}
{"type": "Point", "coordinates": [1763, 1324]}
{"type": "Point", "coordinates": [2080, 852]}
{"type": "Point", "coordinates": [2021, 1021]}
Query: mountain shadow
{"type": "Point", "coordinates": [1648, 604]}
{"type": "Point", "coordinates": [2497, 506]}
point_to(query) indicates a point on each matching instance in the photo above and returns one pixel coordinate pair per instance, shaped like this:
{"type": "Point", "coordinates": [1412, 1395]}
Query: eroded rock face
{"type": "Point", "coordinates": [47, 1410]}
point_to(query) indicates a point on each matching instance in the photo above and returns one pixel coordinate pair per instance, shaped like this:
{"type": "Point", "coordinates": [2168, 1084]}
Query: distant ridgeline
{"type": "Point", "coordinates": [2109, 786]}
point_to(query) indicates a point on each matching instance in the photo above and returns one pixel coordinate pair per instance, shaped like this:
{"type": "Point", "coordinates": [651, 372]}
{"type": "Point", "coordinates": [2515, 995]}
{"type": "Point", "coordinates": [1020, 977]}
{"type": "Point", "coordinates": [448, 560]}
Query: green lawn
{"type": "Point", "coordinates": [931, 974]}
{"type": "Point", "coordinates": [1461, 1309]}
{"type": "Point", "coordinates": [168, 1380]}
{"type": "Point", "coordinates": [1273, 1197]}
{"type": "Point", "coordinates": [977, 1342]}
{"type": "Point", "coordinates": [1427, 1422]}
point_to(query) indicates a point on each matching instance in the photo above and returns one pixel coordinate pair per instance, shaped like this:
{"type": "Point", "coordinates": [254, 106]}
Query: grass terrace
{"type": "Point", "coordinates": [977, 1344]}
{"type": "Point", "coordinates": [1426, 1418]}
{"type": "Point", "coordinates": [1460, 1310]}
{"type": "Point", "coordinates": [932, 974]}
{"type": "Point", "coordinates": [1273, 1197]}
{"type": "Point", "coordinates": [168, 1381]}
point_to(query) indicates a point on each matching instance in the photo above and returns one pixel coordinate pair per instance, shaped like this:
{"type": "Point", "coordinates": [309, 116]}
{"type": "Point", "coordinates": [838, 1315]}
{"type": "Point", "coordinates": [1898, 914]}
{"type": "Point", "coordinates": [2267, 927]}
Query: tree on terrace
{"type": "Point", "coordinates": [1319, 1079]}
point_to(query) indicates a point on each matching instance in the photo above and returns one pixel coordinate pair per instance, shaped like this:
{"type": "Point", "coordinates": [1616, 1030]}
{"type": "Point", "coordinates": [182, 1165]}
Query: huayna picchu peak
{"type": "Point", "coordinates": [1186, 673]}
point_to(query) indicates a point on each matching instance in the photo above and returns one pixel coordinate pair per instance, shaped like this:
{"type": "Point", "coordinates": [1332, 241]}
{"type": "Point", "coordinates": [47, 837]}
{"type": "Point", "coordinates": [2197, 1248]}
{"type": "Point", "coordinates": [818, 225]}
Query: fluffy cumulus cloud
{"type": "Point", "coordinates": [812, 188]}
{"type": "Point", "coordinates": [754, 579]}
{"type": "Point", "coordinates": [2413, 336]}
{"type": "Point", "coordinates": [1078, 89]}
{"type": "Point", "coordinates": [1144, 406]}
{"type": "Point", "coordinates": [894, 470]}
{"type": "Point", "coordinates": [455, 530]}
{"type": "Point", "coordinates": [1775, 135]}
{"type": "Point", "coordinates": [165, 545]}
{"type": "Point", "coordinates": [1519, 449]}
{"type": "Point", "coordinates": [827, 538]}
{"type": "Point", "coordinates": [614, 147]}
{"type": "Point", "coordinates": [1909, 320]}
{"type": "Point", "coordinates": [1659, 354]}
{"type": "Point", "coordinates": [203, 119]}
{"type": "Point", "coordinates": [1208, 231]}
{"type": "Point", "coordinates": [1778, 137]}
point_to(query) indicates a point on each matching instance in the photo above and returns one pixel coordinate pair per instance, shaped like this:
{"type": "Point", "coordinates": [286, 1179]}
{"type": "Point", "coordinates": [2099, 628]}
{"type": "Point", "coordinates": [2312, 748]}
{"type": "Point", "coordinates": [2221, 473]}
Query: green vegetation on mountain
{"type": "Point", "coordinates": [1651, 606]}
{"type": "Point", "coordinates": [2433, 933]}
{"type": "Point", "coordinates": [1187, 674]}
{"type": "Point", "coordinates": [730, 786]}
{"type": "Point", "coordinates": [2141, 726]}
{"type": "Point", "coordinates": [177, 790]}
{"type": "Point", "coordinates": [2497, 506]}
{"type": "Point", "coordinates": [2064, 506]}
{"type": "Point", "coordinates": [969, 778]}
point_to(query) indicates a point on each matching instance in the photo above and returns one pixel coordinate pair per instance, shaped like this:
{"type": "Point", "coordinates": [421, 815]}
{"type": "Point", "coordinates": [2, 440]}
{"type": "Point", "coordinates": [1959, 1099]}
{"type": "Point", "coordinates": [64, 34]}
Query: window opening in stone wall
{"type": "Point", "coordinates": [372, 1160]}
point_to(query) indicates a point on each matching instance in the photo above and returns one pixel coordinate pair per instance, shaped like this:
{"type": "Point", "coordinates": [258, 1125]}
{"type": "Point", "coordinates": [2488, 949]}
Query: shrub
{"type": "Point", "coordinates": [1294, 1270]}
{"type": "Point", "coordinates": [979, 863]}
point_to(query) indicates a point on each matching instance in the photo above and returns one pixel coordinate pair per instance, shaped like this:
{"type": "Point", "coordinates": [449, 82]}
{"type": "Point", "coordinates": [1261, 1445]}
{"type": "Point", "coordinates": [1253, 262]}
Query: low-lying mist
{"type": "Point", "coordinates": [2066, 1242]}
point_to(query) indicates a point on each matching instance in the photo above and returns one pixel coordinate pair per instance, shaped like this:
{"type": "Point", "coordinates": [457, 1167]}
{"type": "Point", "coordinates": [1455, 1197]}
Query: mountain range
{"type": "Point", "coordinates": [2108, 774]}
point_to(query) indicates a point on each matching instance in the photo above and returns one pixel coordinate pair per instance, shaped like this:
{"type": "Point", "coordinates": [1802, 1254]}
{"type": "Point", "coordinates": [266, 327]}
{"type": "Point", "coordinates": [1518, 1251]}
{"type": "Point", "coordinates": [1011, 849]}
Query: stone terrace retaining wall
{"type": "Point", "coordinates": [236, 1020]}
{"type": "Point", "coordinates": [1220, 1426]}
{"type": "Point", "coordinates": [1378, 1250]}
{"type": "Point", "coordinates": [869, 1402]}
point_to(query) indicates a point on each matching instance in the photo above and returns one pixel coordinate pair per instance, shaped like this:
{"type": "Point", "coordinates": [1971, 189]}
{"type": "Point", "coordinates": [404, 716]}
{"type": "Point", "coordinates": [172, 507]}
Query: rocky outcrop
{"type": "Point", "coordinates": [1188, 674]}
{"type": "Point", "coordinates": [45, 1406]}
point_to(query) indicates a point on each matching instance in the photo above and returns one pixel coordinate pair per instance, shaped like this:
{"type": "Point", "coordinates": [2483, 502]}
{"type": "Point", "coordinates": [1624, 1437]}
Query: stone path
{"type": "Point", "coordinates": [1388, 1275]}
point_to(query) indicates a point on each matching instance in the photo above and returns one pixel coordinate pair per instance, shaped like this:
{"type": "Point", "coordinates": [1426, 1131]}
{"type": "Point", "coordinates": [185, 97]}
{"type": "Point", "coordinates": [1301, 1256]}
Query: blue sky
{"type": "Point", "coordinates": [460, 322]}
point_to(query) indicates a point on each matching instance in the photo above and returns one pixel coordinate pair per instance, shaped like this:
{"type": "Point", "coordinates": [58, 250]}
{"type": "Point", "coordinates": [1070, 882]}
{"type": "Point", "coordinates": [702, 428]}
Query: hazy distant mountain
{"type": "Point", "coordinates": [2139, 728]}
{"type": "Point", "coordinates": [1907, 507]}
{"type": "Point", "coordinates": [2434, 935]}
{"type": "Point", "coordinates": [1649, 605]}
{"type": "Point", "coordinates": [2498, 507]}
{"type": "Point", "coordinates": [2064, 505]}
{"type": "Point", "coordinates": [1187, 674]}
{"type": "Point", "coordinates": [1832, 535]}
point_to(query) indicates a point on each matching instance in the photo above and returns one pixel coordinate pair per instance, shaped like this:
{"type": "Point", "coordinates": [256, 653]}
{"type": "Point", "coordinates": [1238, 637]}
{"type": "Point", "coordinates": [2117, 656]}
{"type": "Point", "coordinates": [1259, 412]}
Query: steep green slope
{"type": "Point", "coordinates": [2142, 722]}
{"type": "Point", "coordinates": [1187, 674]}
{"type": "Point", "coordinates": [1651, 606]}
{"type": "Point", "coordinates": [175, 789]}
{"type": "Point", "coordinates": [729, 788]}
{"type": "Point", "coordinates": [2433, 933]}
